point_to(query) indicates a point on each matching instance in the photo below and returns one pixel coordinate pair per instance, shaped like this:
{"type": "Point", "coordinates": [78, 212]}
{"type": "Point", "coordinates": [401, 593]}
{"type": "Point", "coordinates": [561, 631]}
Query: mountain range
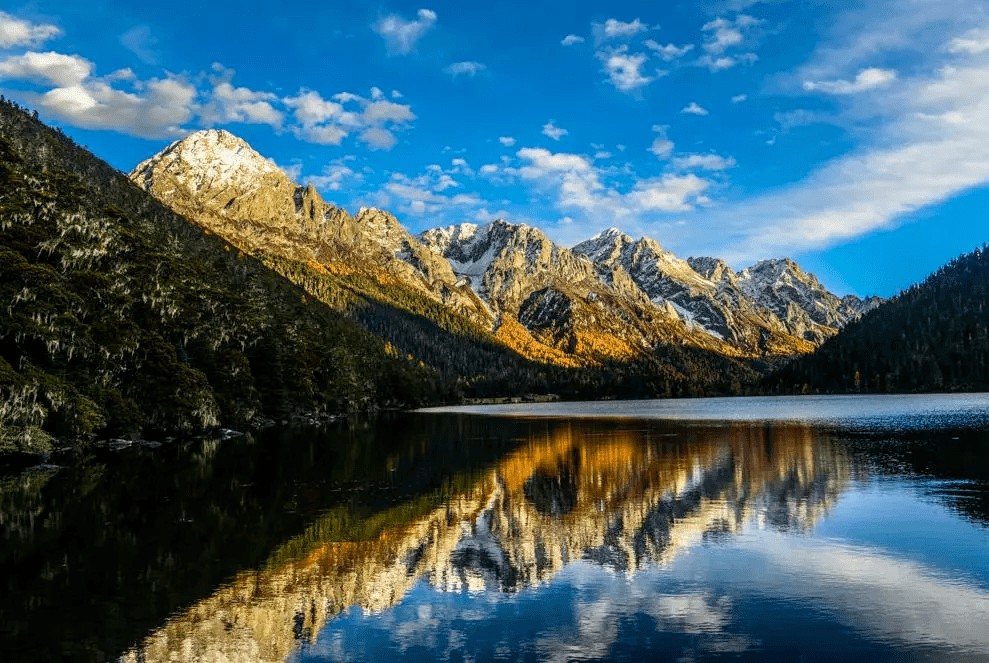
{"type": "Point", "coordinates": [610, 297]}
{"type": "Point", "coordinates": [206, 289]}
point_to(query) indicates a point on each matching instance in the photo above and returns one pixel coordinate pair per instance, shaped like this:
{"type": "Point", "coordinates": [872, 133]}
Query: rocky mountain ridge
{"type": "Point", "coordinates": [608, 297]}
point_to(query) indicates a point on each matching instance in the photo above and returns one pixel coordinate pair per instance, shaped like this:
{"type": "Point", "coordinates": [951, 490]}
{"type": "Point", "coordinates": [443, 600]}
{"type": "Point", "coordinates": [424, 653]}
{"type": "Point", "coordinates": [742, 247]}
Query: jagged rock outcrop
{"type": "Point", "coordinates": [772, 307]}
{"type": "Point", "coordinates": [559, 296]}
{"type": "Point", "coordinates": [796, 298]}
{"type": "Point", "coordinates": [217, 180]}
{"type": "Point", "coordinates": [610, 296]}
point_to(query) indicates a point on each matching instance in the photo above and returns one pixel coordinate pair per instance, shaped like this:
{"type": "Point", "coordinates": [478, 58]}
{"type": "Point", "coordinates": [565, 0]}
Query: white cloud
{"type": "Point", "coordinates": [460, 166]}
{"type": "Point", "coordinates": [426, 193]}
{"type": "Point", "coordinates": [669, 52]}
{"type": "Point", "coordinates": [159, 110]}
{"type": "Point", "coordinates": [542, 162]}
{"type": "Point", "coordinates": [615, 29]}
{"type": "Point", "coordinates": [554, 132]}
{"type": "Point", "coordinates": [141, 42]}
{"type": "Point", "coordinates": [725, 61]}
{"type": "Point", "coordinates": [662, 146]}
{"type": "Point", "coordinates": [293, 172]}
{"type": "Point", "coordinates": [322, 121]}
{"type": "Point", "coordinates": [156, 108]}
{"type": "Point", "coordinates": [624, 70]}
{"type": "Point", "coordinates": [669, 193]}
{"type": "Point", "coordinates": [507, 141]}
{"type": "Point", "coordinates": [867, 79]}
{"type": "Point", "coordinates": [738, 98]}
{"type": "Point", "coordinates": [335, 175]}
{"type": "Point", "coordinates": [468, 68]}
{"type": "Point", "coordinates": [395, 94]}
{"type": "Point", "coordinates": [973, 42]}
{"type": "Point", "coordinates": [934, 145]}
{"type": "Point", "coordinates": [54, 68]}
{"type": "Point", "coordinates": [18, 32]}
{"type": "Point", "coordinates": [703, 161]}
{"type": "Point", "coordinates": [583, 192]}
{"type": "Point", "coordinates": [240, 104]}
{"type": "Point", "coordinates": [311, 109]}
{"type": "Point", "coordinates": [378, 138]}
{"type": "Point", "coordinates": [401, 35]}
{"type": "Point", "coordinates": [798, 118]}
{"type": "Point", "coordinates": [570, 40]}
{"type": "Point", "coordinates": [723, 34]}
{"type": "Point", "coordinates": [377, 112]}
{"type": "Point", "coordinates": [601, 154]}
{"type": "Point", "coordinates": [693, 109]}
{"type": "Point", "coordinates": [717, 64]}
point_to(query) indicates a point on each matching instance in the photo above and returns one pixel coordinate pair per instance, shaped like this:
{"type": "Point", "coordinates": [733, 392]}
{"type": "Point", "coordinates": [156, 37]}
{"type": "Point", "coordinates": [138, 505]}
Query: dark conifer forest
{"type": "Point", "coordinates": [932, 337]}
{"type": "Point", "coordinates": [122, 318]}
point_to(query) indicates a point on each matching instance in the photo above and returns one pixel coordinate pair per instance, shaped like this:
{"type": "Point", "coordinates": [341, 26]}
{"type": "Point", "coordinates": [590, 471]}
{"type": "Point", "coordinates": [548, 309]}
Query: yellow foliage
{"type": "Point", "coordinates": [338, 269]}
{"type": "Point", "coordinates": [605, 346]}
{"type": "Point", "coordinates": [313, 264]}
{"type": "Point", "coordinates": [515, 336]}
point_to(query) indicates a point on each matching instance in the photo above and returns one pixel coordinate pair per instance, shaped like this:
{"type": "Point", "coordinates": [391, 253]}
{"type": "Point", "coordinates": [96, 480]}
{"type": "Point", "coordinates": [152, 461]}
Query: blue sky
{"type": "Point", "coordinates": [855, 140]}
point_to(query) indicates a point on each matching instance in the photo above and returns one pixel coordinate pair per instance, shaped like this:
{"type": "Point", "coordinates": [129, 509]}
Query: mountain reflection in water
{"type": "Point", "coordinates": [468, 537]}
{"type": "Point", "coordinates": [619, 497]}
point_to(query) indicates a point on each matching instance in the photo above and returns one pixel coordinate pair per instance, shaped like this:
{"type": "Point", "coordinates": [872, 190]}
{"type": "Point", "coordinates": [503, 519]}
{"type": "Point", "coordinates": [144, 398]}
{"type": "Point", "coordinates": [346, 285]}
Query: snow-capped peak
{"type": "Point", "coordinates": [212, 156]}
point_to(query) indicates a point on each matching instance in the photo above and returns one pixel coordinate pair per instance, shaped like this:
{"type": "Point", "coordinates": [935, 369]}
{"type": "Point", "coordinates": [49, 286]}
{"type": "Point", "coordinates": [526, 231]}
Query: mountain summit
{"type": "Point", "coordinates": [611, 296]}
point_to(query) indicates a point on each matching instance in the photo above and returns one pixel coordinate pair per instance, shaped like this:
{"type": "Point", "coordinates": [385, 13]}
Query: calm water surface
{"type": "Point", "coordinates": [807, 529]}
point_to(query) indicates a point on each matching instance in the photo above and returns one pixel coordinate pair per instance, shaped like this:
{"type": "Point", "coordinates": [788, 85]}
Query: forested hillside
{"type": "Point", "coordinates": [120, 317]}
{"type": "Point", "coordinates": [932, 337]}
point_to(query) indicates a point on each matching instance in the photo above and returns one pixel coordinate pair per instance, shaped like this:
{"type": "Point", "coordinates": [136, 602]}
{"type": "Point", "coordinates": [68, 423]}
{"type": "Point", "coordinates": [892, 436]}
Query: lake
{"type": "Point", "coordinates": [852, 528]}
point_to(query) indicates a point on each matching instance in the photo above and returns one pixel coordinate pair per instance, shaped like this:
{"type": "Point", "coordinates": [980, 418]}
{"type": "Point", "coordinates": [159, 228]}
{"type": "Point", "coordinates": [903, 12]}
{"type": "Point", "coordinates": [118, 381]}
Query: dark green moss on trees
{"type": "Point", "coordinates": [119, 317]}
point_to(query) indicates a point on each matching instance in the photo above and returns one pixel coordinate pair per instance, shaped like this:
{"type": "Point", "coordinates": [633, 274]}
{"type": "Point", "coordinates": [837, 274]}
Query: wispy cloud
{"type": "Point", "coordinates": [590, 196]}
{"type": "Point", "coordinates": [703, 162]}
{"type": "Point", "coordinates": [615, 29]}
{"type": "Point", "coordinates": [507, 141]}
{"type": "Point", "coordinates": [435, 192]}
{"type": "Point", "coordinates": [468, 68]}
{"type": "Point", "coordinates": [570, 40]}
{"type": "Point", "coordinates": [51, 67]}
{"type": "Point", "coordinates": [139, 41]}
{"type": "Point", "coordinates": [335, 175]}
{"type": "Point", "coordinates": [401, 35]}
{"type": "Point", "coordinates": [933, 145]}
{"type": "Point", "coordinates": [174, 105]}
{"type": "Point", "coordinates": [867, 79]}
{"type": "Point", "coordinates": [693, 109]}
{"type": "Point", "coordinates": [723, 35]}
{"type": "Point", "coordinates": [553, 131]}
{"type": "Point", "coordinates": [661, 146]}
{"type": "Point", "coordinates": [625, 70]}
{"type": "Point", "coordinates": [973, 42]}
{"type": "Point", "coordinates": [19, 32]}
{"type": "Point", "coordinates": [668, 52]}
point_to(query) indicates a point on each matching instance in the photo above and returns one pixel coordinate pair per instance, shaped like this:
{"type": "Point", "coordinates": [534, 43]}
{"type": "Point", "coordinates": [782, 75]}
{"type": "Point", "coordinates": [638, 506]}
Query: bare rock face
{"type": "Point", "coordinates": [563, 298]}
{"type": "Point", "coordinates": [610, 296]}
{"type": "Point", "coordinates": [704, 292]}
{"type": "Point", "coordinates": [217, 180]}
{"type": "Point", "coordinates": [797, 299]}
